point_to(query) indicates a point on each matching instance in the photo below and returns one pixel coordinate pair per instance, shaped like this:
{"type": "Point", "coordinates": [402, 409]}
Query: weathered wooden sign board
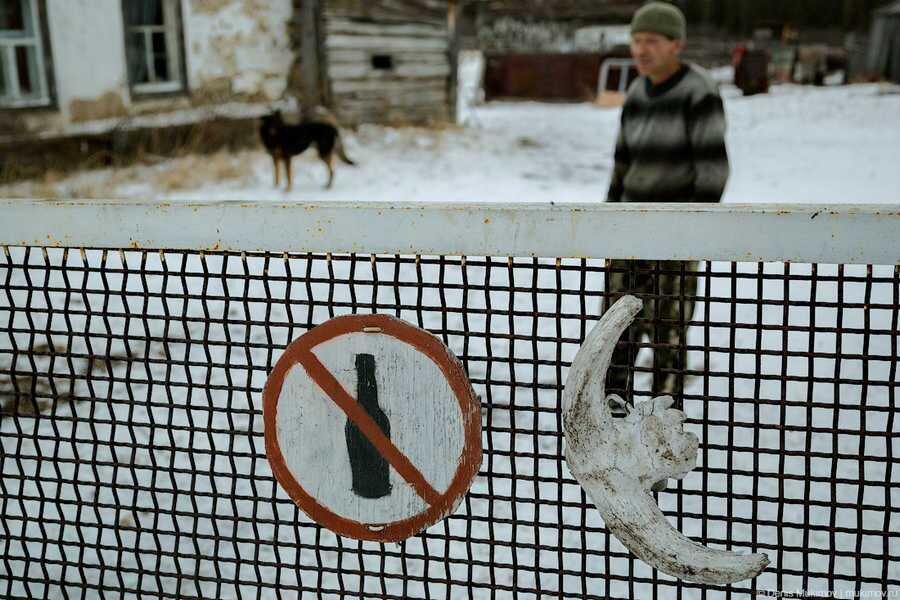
{"type": "Point", "coordinates": [372, 427]}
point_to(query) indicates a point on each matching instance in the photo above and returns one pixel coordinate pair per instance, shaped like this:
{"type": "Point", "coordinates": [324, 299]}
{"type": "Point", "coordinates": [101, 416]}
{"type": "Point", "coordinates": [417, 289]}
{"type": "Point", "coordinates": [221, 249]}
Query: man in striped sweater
{"type": "Point", "coordinates": [670, 148]}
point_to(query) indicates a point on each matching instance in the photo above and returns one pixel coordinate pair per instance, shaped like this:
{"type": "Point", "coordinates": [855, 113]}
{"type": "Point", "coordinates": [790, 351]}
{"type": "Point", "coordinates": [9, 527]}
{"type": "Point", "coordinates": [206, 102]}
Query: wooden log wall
{"type": "Point", "coordinates": [384, 69]}
{"type": "Point", "coordinates": [431, 12]}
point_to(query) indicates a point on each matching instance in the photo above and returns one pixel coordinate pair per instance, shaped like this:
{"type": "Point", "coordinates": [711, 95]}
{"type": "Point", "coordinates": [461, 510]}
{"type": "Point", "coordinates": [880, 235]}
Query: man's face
{"type": "Point", "coordinates": [655, 54]}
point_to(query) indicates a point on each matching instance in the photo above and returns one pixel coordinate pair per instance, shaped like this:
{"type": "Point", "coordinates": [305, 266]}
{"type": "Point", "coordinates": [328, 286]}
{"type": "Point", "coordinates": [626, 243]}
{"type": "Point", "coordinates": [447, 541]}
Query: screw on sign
{"type": "Point", "coordinates": [372, 427]}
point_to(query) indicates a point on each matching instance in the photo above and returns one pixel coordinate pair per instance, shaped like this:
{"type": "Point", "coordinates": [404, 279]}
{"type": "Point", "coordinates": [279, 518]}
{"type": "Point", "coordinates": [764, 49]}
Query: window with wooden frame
{"type": "Point", "coordinates": [23, 72]}
{"type": "Point", "coordinates": [153, 45]}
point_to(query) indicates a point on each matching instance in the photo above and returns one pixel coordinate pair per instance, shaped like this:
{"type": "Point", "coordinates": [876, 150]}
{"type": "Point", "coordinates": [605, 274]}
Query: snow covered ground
{"type": "Point", "coordinates": [834, 145]}
{"type": "Point", "coordinates": [153, 458]}
{"type": "Point", "coordinates": [797, 144]}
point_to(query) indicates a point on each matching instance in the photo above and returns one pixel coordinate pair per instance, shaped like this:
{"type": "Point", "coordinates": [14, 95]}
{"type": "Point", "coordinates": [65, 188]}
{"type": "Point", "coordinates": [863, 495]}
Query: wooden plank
{"type": "Point", "coordinates": [365, 71]}
{"type": "Point", "coordinates": [407, 100]}
{"type": "Point", "coordinates": [454, 15]}
{"type": "Point", "coordinates": [341, 57]}
{"type": "Point", "coordinates": [368, 85]}
{"type": "Point", "coordinates": [398, 86]}
{"type": "Point", "coordinates": [337, 25]}
{"type": "Point", "coordinates": [384, 43]}
{"type": "Point", "coordinates": [406, 11]}
{"type": "Point", "coordinates": [428, 101]}
{"type": "Point", "coordinates": [309, 53]}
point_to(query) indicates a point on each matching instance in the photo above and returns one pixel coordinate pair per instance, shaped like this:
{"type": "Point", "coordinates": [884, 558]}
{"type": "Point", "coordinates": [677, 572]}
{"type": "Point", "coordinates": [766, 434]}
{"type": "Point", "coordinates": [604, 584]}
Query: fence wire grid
{"type": "Point", "coordinates": [133, 460]}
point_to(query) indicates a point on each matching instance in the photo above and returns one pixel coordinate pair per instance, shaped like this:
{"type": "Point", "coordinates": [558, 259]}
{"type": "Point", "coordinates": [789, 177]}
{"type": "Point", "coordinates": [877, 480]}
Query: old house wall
{"type": "Point", "coordinates": [235, 51]}
{"type": "Point", "coordinates": [238, 48]}
{"type": "Point", "coordinates": [89, 80]}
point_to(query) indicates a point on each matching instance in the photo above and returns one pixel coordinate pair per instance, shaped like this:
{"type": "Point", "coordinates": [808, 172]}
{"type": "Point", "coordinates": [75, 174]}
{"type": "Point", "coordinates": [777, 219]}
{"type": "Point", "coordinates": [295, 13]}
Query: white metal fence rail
{"type": "Point", "coordinates": [798, 233]}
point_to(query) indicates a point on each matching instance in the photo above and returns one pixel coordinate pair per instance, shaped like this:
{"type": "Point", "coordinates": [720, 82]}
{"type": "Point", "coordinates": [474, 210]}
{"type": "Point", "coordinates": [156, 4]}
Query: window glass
{"type": "Point", "coordinates": [15, 18]}
{"type": "Point", "coordinates": [12, 15]}
{"type": "Point", "coordinates": [160, 56]}
{"type": "Point", "coordinates": [3, 91]}
{"type": "Point", "coordinates": [26, 67]}
{"type": "Point", "coordinates": [137, 57]}
{"type": "Point", "coordinates": [22, 81]}
{"type": "Point", "coordinates": [152, 45]}
{"type": "Point", "coordinates": [144, 12]}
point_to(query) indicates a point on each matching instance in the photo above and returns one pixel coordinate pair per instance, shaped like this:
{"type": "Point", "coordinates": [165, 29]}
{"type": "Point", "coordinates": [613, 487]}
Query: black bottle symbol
{"type": "Point", "coordinates": [369, 468]}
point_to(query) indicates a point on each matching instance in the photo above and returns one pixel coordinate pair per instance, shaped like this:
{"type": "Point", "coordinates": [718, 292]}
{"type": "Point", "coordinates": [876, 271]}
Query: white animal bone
{"type": "Point", "coordinates": [619, 460]}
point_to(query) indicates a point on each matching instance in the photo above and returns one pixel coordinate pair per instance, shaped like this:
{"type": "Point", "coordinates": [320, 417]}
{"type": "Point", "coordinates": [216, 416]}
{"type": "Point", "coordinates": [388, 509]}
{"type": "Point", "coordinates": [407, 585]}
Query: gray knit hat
{"type": "Point", "coordinates": [662, 18]}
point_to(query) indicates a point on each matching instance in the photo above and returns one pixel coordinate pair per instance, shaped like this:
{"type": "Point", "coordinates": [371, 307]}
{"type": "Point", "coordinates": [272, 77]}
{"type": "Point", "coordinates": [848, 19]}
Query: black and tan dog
{"type": "Point", "coordinates": [283, 141]}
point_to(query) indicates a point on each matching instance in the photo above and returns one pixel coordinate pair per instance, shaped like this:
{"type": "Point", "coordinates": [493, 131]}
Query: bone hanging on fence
{"type": "Point", "coordinates": [619, 461]}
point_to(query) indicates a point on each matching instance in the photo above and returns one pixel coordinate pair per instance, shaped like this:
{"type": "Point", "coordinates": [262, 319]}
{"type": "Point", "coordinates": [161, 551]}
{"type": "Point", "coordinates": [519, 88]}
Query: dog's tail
{"type": "Point", "coordinates": [339, 147]}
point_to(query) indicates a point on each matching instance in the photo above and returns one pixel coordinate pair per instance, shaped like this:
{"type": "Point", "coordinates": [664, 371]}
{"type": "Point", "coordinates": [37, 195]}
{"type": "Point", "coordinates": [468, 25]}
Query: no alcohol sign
{"type": "Point", "coordinates": [372, 427]}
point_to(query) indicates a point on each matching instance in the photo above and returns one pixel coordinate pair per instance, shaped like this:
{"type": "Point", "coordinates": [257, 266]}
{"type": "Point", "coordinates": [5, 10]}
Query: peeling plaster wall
{"type": "Point", "coordinates": [238, 48]}
{"type": "Point", "coordinates": [89, 76]}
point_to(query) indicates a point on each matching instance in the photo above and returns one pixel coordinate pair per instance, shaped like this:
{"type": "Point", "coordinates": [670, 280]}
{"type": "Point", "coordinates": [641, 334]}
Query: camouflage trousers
{"type": "Point", "coordinates": [667, 289]}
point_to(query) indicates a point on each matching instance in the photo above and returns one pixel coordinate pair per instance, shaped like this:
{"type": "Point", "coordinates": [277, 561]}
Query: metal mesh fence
{"type": "Point", "coordinates": [133, 461]}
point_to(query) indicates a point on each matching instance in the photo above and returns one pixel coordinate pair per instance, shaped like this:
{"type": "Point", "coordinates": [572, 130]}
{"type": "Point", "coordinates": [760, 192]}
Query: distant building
{"type": "Point", "coordinates": [104, 81]}
{"type": "Point", "coordinates": [389, 61]}
{"type": "Point", "coordinates": [64, 63]}
{"type": "Point", "coordinates": [577, 11]}
{"type": "Point", "coordinates": [549, 25]}
{"type": "Point", "coordinates": [547, 49]}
